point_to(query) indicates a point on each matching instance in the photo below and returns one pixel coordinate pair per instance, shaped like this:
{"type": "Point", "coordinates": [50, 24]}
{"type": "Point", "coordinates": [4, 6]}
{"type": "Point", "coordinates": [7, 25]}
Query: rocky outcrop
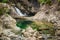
{"type": "Point", "coordinates": [9, 22]}
{"type": "Point", "coordinates": [30, 7]}
{"type": "Point", "coordinates": [31, 34]}
{"type": "Point", "coordinates": [51, 14]}
{"type": "Point", "coordinates": [8, 28]}
{"type": "Point", "coordinates": [9, 9]}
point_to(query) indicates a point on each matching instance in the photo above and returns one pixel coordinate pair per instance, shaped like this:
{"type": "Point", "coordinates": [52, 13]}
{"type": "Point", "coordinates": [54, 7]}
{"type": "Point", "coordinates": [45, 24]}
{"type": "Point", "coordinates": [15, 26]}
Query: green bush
{"type": "Point", "coordinates": [44, 1]}
{"type": "Point", "coordinates": [58, 0]}
{"type": "Point", "coordinates": [4, 1]}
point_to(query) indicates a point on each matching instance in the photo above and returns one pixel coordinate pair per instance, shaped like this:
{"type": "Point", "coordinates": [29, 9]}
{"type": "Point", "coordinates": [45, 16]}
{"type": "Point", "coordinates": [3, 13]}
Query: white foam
{"type": "Point", "coordinates": [19, 12]}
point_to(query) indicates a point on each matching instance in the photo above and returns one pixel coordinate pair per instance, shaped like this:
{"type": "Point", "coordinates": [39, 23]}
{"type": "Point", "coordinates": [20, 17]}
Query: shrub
{"type": "Point", "coordinates": [58, 0]}
{"type": "Point", "coordinates": [4, 1]}
{"type": "Point", "coordinates": [44, 1]}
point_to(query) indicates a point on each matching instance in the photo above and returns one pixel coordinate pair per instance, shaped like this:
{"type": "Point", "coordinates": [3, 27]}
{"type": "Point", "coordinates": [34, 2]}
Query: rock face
{"type": "Point", "coordinates": [8, 9]}
{"type": "Point", "coordinates": [31, 34]}
{"type": "Point", "coordinates": [9, 22]}
{"type": "Point", "coordinates": [48, 13]}
{"type": "Point", "coordinates": [8, 28]}
{"type": "Point", "coordinates": [30, 7]}
{"type": "Point", "coordinates": [51, 14]}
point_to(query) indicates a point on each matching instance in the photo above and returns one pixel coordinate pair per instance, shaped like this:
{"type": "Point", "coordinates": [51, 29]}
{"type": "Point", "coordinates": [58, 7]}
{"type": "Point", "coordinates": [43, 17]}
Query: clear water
{"type": "Point", "coordinates": [23, 23]}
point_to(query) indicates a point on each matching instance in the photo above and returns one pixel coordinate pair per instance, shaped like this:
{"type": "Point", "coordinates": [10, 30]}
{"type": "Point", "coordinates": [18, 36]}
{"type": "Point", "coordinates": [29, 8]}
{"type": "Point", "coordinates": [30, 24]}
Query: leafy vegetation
{"type": "Point", "coordinates": [4, 1]}
{"type": "Point", "coordinates": [44, 1]}
{"type": "Point", "coordinates": [47, 1]}
{"type": "Point", "coordinates": [58, 0]}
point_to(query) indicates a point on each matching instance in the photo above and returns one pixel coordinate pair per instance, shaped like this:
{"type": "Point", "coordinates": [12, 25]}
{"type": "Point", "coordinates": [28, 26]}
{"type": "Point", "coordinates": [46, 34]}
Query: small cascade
{"type": "Point", "coordinates": [19, 12]}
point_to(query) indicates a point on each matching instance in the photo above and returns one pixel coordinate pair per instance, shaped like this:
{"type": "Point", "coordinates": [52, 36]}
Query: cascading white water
{"type": "Point", "coordinates": [19, 12]}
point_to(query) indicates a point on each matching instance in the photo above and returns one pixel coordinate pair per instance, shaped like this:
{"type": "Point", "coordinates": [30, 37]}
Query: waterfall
{"type": "Point", "coordinates": [19, 12]}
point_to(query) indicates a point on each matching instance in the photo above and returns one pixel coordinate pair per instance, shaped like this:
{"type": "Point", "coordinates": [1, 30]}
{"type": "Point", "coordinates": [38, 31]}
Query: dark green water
{"type": "Point", "coordinates": [23, 23]}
